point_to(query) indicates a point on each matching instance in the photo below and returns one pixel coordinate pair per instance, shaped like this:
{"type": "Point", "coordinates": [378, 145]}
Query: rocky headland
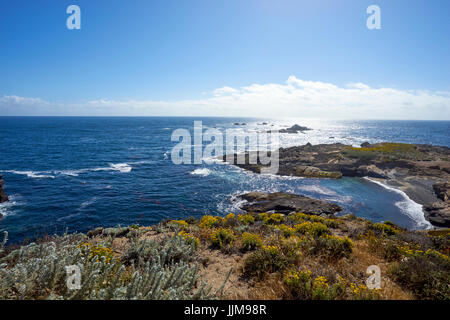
{"type": "Point", "coordinates": [421, 171]}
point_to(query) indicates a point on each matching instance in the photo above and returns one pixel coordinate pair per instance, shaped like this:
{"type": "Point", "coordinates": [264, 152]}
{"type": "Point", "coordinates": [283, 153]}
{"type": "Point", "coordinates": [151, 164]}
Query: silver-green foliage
{"type": "Point", "coordinates": [148, 270]}
{"type": "Point", "coordinates": [31, 271]}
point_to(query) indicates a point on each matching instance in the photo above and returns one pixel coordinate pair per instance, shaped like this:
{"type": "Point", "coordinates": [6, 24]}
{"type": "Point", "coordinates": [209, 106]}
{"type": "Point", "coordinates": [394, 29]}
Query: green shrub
{"type": "Point", "coordinates": [300, 217]}
{"type": "Point", "coordinates": [291, 248]}
{"type": "Point", "coordinates": [426, 274]}
{"type": "Point", "coordinates": [331, 223]}
{"type": "Point", "coordinates": [262, 216]}
{"type": "Point", "coordinates": [361, 292]}
{"type": "Point", "coordinates": [387, 229]}
{"type": "Point", "coordinates": [178, 224]}
{"type": "Point", "coordinates": [286, 230]}
{"type": "Point", "coordinates": [274, 218]}
{"type": "Point", "coordinates": [391, 252]}
{"type": "Point", "coordinates": [303, 286]}
{"type": "Point", "coordinates": [222, 237]}
{"type": "Point", "coordinates": [315, 229]}
{"type": "Point", "coordinates": [190, 239]}
{"type": "Point", "coordinates": [268, 259]}
{"type": "Point", "coordinates": [230, 220]}
{"type": "Point", "coordinates": [383, 247]}
{"type": "Point", "coordinates": [208, 221]}
{"type": "Point", "coordinates": [246, 219]}
{"type": "Point", "coordinates": [96, 252]}
{"type": "Point", "coordinates": [330, 247]}
{"type": "Point", "coordinates": [250, 241]}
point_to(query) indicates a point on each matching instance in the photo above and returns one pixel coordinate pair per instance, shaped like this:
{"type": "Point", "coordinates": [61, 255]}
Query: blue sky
{"type": "Point", "coordinates": [173, 57]}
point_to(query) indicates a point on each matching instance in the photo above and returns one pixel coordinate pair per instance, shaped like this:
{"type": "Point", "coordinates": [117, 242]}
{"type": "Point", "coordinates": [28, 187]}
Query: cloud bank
{"type": "Point", "coordinates": [294, 98]}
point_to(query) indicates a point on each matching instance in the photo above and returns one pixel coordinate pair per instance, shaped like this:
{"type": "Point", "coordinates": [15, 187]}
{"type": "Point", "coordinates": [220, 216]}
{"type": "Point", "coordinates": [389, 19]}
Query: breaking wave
{"type": "Point", "coordinates": [121, 167]}
{"type": "Point", "coordinates": [407, 206]}
{"type": "Point", "coordinates": [202, 172]}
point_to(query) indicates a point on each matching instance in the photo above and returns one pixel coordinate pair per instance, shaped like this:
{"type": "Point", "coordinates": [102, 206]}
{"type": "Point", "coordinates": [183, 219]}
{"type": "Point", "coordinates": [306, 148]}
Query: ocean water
{"type": "Point", "coordinates": [84, 172]}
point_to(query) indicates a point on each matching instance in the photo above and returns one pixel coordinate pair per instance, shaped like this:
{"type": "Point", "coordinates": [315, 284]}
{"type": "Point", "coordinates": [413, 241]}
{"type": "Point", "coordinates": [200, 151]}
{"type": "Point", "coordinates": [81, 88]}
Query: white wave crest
{"type": "Point", "coordinates": [201, 172]}
{"type": "Point", "coordinates": [32, 174]}
{"type": "Point", "coordinates": [121, 167]}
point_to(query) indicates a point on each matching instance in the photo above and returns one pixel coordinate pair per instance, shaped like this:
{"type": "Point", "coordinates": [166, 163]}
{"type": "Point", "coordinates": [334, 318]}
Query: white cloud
{"type": "Point", "coordinates": [224, 90]}
{"type": "Point", "coordinates": [16, 100]}
{"type": "Point", "coordinates": [294, 98]}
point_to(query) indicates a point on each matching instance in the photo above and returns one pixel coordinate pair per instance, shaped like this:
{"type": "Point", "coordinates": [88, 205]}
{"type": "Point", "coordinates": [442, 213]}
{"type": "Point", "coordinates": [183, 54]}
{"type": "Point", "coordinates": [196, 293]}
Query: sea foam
{"type": "Point", "coordinates": [407, 206]}
{"type": "Point", "coordinates": [202, 172]}
{"type": "Point", "coordinates": [121, 167]}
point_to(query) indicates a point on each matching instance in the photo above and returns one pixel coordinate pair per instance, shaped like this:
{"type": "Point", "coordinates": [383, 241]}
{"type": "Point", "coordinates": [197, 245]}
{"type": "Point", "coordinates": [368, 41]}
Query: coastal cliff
{"type": "Point", "coordinates": [421, 171]}
{"type": "Point", "coordinates": [252, 255]}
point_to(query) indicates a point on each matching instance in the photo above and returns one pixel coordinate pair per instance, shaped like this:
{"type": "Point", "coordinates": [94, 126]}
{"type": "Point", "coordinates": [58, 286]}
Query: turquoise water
{"type": "Point", "coordinates": [80, 173]}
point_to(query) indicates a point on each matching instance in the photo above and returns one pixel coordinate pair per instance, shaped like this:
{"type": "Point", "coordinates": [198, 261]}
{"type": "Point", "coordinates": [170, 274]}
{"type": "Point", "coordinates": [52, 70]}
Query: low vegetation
{"type": "Point", "coordinates": [266, 255]}
{"type": "Point", "coordinates": [386, 151]}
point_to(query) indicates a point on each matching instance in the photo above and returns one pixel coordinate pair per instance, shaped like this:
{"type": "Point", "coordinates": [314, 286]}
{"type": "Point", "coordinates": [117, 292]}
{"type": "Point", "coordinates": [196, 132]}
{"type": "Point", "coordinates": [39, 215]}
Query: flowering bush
{"type": "Point", "coordinates": [425, 273]}
{"type": "Point", "coordinates": [330, 247]}
{"type": "Point", "coordinates": [291, 248]}
{"type": "Point", "coordinates": [315, 229]}
{"type": "Point", "coordinates": [190, 239]}
{"type": "Point", "coordinates": [361, 292]}
{"type": "Point", "coordinates": [209, 221]}
{"type": "Point", "coordinates": [263, 216]}
{"type": "Point", "coordinates": [96, 252]}
{"type": "Point", "coordinates": [230, 220]}
{"type": "Point", "coordinates": [386, 228]}
{"type": "Point", "coordinates": [266, 260]}
{"type": "Point", "coordinates": [179, 223]}
{"type": "Point", "coordinates": [230, 216]}
{"type": "Point", "coordinates": [222, 237]}
{"type": "Point", "coordinates": [274, 218]}
{"type": "Point", "coordinates": [331, 223]}
{"type": "Point", "coordinates": [302, 285]}
{"type": "Point", "coordinates": [246, 219]}
{"type": "Point", "coordinates": [250, 241]}
{"type": "Point", "coordinates": [286, 230]}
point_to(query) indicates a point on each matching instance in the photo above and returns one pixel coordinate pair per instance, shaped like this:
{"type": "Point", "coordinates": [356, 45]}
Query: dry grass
{"type": "Point", "coordinates": [215, 267]}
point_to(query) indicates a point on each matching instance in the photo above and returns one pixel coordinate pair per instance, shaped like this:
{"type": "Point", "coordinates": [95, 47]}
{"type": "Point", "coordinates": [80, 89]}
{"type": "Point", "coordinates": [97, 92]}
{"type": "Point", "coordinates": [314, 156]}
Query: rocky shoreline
{"type": "Point", "coordinates": [421, 171]}
{"type": "Point", "coordinates": [3, 196]}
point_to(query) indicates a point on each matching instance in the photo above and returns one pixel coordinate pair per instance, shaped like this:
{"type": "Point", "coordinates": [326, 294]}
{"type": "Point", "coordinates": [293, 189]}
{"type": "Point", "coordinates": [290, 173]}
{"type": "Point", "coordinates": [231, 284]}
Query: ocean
{"type": "Point", "coordinates": [83, 172]}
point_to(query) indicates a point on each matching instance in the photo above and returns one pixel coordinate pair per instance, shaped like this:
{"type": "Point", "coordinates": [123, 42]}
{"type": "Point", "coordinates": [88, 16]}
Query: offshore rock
{"type": "Point", "coordinates": [3, 196]}
{"type": "Point", "coordinates": [286, 203]}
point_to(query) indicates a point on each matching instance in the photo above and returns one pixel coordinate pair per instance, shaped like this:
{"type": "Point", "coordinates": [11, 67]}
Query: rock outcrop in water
{"type": "Point", "coordinates": [3, 196]}
{"type": "Point", "coordinates": [294, 129]}
{"type": "Point", "coordinates": [281, 202]}
{"type": "Point", "coordinates": [421, 171]}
